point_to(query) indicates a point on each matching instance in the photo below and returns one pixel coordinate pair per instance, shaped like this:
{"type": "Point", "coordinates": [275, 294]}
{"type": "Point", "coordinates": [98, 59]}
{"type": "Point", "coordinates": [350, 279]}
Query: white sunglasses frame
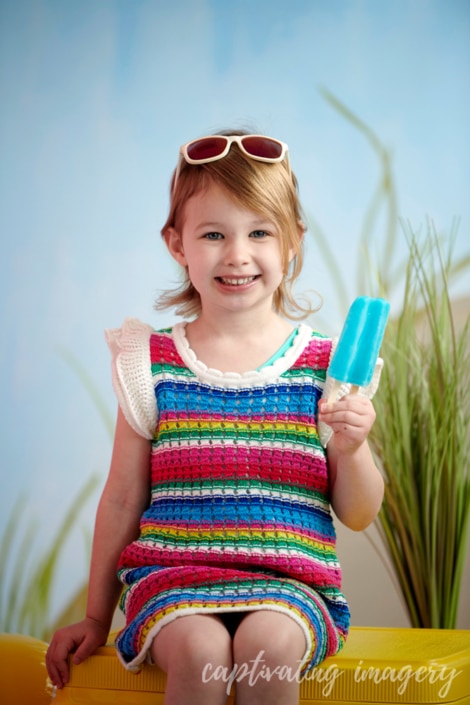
{"type": "Point", "coordinates": [184, 156]}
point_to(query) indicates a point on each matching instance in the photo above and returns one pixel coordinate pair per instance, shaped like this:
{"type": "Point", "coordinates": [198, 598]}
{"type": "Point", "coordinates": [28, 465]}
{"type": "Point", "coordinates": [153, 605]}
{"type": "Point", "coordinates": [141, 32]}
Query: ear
{"type": "Point", "coordinates": [174, 243]}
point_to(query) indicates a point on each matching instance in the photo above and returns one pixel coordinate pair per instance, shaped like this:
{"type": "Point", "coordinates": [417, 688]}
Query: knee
{"type": "Point", "coordinates": [269, 637]}
{"type": "Point", "coordinates": [189, 647]}
{"type": "Point", "coordinates": [196, 649]}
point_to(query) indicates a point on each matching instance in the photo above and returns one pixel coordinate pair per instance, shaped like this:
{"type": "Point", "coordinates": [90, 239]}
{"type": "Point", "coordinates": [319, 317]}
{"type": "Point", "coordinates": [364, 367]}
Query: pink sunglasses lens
{"type": "Point", "coordinates": [262, 147]}
{"type": "Point", "coordinates": [207, 148]}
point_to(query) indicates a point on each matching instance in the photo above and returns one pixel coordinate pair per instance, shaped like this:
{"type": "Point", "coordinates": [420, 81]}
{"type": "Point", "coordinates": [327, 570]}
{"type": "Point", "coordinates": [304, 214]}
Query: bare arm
{"type": "Point", "coordinates": [124, 498]}
{"type": "Point", "coordinates": [357, 486]}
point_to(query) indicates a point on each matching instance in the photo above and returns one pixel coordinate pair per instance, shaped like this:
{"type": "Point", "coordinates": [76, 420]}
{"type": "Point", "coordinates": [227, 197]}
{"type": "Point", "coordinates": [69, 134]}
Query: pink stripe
{"type": "Point", "coordinates": [292, 566]}
{"type": "Point", "coordinates": [187, 464]}
{"type": "Point", "coordinates": [215, 418]}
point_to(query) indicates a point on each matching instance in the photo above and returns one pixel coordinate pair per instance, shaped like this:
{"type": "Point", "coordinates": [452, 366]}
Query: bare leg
{"type": "Point", "coordinates": [268, 640]}
{"type": "Point", "coordinates": [192, 650]}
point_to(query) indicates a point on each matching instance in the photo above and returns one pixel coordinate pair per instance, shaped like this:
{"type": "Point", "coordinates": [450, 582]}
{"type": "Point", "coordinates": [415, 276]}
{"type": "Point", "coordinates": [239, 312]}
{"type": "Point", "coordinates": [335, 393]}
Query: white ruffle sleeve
{"type": "Point", "coordinates": [132, 374]}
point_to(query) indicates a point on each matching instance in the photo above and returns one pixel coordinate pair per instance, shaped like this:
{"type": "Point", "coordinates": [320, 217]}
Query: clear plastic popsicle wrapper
{"type": "Point", "coordinates": [354, 360]}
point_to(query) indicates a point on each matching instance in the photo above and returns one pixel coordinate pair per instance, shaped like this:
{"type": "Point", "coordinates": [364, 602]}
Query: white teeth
{"type": "Point", "coordinates": [237, 282]}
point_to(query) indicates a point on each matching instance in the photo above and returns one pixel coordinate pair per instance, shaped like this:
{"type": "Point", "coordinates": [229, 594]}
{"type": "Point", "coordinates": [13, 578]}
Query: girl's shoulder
{"type": "Point", "coordinates": [135, 339]}
{"type": "Point", "coordinates": [130, 335]}
{"type": "Point", "coordinates": [131, 373]}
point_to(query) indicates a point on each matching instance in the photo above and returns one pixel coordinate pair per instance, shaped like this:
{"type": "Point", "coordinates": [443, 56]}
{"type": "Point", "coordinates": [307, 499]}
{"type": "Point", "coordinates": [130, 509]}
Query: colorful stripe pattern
{"type": "Point", "coordinates": [239, 516]}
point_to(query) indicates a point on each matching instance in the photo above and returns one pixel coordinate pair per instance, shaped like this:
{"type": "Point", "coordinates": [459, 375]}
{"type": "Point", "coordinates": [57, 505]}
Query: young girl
{"type": "Point", "coordinates": [216, 512]}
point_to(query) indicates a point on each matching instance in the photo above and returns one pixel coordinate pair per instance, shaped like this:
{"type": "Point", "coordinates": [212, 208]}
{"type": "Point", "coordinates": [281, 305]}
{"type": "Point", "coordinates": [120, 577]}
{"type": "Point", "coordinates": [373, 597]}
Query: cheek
{"type": "Point", "coordinates": [196, 271]}
{"type": "Point", "coordinates": [277, 270]}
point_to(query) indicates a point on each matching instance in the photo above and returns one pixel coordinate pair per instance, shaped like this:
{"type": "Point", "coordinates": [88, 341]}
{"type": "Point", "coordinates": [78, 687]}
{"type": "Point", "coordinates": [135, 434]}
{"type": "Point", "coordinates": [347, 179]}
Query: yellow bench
{"type": "Point", "coordinates": [377, 665]}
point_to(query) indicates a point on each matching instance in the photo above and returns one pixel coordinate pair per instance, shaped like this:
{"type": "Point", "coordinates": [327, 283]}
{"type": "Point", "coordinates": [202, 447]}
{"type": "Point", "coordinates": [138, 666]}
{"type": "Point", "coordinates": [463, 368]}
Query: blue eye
{"type": "Point", "coordinates": [258, 234]}
{"type": "Point", "coordinates": [213, 236]}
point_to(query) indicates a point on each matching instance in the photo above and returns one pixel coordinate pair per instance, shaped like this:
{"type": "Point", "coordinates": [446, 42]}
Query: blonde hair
{"type": "Point", "coordinates": [269, 189]}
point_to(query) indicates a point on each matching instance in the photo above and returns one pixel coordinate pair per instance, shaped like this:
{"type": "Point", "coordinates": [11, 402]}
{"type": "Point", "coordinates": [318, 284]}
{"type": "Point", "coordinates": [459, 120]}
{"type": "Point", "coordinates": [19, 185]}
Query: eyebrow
{"type": "Point", "coordinates": [253, 224]}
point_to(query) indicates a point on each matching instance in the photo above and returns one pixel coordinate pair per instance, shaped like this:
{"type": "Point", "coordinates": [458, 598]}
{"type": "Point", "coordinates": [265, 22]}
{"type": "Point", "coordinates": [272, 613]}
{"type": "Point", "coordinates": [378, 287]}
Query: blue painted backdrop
{"type": "Point", "coordinates": [96, 97]}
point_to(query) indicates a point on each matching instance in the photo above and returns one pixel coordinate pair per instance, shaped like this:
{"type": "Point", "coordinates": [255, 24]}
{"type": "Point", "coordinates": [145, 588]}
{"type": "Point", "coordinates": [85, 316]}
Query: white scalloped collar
{"type": "Point", "coordinates": [230, 379]}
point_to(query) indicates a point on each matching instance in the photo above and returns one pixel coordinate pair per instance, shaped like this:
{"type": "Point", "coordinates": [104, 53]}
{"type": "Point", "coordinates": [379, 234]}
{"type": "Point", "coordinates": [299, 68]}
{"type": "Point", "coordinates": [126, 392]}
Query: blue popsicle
{"type": "Point", "coordinates": [356, 354]}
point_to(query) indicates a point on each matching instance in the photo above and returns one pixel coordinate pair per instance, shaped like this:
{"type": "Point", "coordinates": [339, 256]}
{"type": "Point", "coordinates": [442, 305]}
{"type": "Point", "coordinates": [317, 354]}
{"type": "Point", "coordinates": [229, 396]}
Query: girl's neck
{"type": "Point", "coordinates": [238, 327]}
{"type": "Point", "coordinates": [235, 343]}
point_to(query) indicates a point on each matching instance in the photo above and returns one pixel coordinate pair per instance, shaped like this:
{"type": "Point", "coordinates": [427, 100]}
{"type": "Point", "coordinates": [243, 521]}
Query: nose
{"type": "Point", "coordinates": [236, 252]}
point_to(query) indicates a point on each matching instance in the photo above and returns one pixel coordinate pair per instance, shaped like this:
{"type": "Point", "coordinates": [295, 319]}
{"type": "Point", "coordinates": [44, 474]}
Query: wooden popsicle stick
{"type": "Point", "coordinates": [334, 391]}
{"type": "Point", "coordinates": [336, 386]}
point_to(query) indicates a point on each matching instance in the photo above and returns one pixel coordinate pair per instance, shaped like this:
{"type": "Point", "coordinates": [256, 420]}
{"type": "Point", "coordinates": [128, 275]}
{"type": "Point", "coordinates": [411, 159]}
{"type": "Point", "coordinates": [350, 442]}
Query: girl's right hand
{"type": "Point", "coordinates": [81, 639]}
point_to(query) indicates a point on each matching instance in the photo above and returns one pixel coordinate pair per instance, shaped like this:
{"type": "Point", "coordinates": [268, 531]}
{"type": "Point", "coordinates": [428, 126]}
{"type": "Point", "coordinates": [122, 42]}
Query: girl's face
{"type": "Point", "coordinates": [233, 255]}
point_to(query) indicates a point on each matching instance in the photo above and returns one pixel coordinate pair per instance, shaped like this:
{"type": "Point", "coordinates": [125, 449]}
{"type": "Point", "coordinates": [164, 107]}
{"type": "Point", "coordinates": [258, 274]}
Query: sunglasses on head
{"type": "Point", "coordinates": [209, 149]}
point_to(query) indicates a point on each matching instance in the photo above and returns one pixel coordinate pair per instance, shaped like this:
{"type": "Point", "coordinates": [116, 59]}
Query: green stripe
{"type": "Point", "coordinates": [161, 367]}
{"type": "Point", "coordinates": [324, 553]}
{"type": "Point", "coordinates": [310, 373]}
{"type": "Point", "coordinates": [252, 484]}
{"type": "Point", "coordinates": [268, 436]}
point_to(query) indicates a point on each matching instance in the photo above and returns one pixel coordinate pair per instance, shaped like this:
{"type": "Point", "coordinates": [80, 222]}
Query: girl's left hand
{"type": "Point", "coordinates": [351, 418]}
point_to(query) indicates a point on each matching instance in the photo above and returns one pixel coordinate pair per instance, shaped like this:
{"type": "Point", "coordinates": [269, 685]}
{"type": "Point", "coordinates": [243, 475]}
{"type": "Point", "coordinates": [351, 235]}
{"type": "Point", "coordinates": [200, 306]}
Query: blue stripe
{"type": "Point", "coordinates": [220, 508]}
{"type": "Point", "coordinates": [282, 399]}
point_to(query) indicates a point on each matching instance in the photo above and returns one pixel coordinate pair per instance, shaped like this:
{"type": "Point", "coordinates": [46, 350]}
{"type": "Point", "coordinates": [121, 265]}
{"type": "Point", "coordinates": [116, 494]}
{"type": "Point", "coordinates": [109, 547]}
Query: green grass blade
{"type": "Point", "coordinates": [421, 438]}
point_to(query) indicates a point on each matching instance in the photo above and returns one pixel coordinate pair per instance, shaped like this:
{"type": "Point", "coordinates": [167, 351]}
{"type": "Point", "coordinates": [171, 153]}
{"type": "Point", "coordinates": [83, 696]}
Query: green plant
{"type": "Point", "coordinates": [421, 438]}
{"type": "Point", "coordinates": [25, 596]}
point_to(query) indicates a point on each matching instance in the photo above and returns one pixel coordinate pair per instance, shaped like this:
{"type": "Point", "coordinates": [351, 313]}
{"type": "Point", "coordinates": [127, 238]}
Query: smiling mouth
{"type": "Point", "coordinates": [237, 281]}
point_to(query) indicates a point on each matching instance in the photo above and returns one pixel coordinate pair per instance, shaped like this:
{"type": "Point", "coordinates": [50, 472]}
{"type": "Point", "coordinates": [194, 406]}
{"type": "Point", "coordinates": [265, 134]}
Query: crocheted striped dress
{"type": "Point", "coordinates": [239, 517]}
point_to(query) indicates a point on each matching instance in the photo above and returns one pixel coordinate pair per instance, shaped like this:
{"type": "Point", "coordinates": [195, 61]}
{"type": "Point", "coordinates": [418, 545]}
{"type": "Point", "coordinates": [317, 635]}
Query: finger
{"type": "Point", "coordinates": [63, 673]}
{"type": "Point", "coordinates": [57, 659]}
{"type": "Point", "coordinates": [57, 669]}
{"type": "Point", "coordinates": [343, 420]}
{"type": "Point", "coordinates": [360, 405]}
{"type": "Point", "coordinates": [84, 650]}
{"type": "Point", "coordinates": [88, 646]}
